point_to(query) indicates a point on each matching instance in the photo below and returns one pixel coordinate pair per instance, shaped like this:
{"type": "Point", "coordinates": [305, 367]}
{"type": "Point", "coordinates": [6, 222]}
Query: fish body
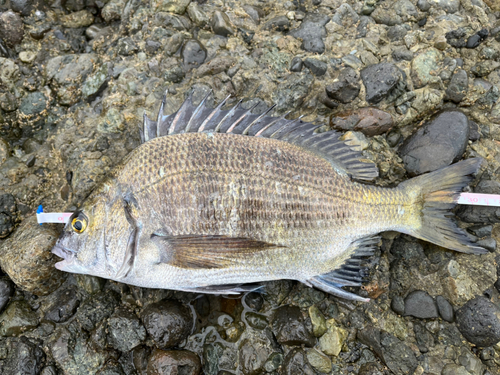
{"type": "Point", "coordinates": [209, 208]}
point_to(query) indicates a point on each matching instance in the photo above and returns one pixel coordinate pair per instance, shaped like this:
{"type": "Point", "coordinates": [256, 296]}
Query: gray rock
{"type": "Point", "coordinates": [479, 321]}
{"type": "Point", "coordinates": [289, 327]}
{"type": "Point", "coordinates": [489, 244]}
{"type": "Point", "coordinates": [397, 32]}
{"type": "Point", "coordinates": [457, 89]}
{"type": "Point", "coordinates": [24, 7]}
{"type": "Point", "coordinates": [63, 306]}
{"type": "Point", "coordinates": [420, 305]}
{"type": "Point", "coordinates": [127, 47]}
{"type": "Point", "coordinates": [17, 318]}
{"type": "Point", "coordinates": [26, 258]}
{"type": "Point", "coordinates": [113, 10]}
{"type": "Point", "coordinates": [280, 23]}
{"type": "Point", "coordinates": [370, 368]}
{"type": "Point", "coordinates": [449, 6]}
{"type": "Point", "coordinates": [483, 68]}
{"type": "Point", "coordinates": [346, 14]}
{"type": "Point", "coordinates": [481, 230]}
{"type": "Point", "coordinates": [176, 361]}
{"type": "Point", "coordinates": [8, 214]}
{"type": "Point", "coordinates": [398, 357]}
{"type": "Point", "coordinates": [25, 357]}
{"type": "Point", "coordinates": [383, 81]}
{"type": "Point", "coordinates": [173, 6]}
{"type": "Point", "coordinates": [317, 67]}
{"type": "Point", "coordinates": [445, 309]}
{"type": "Point", "coordinates": [296, 363]}
{"type": "Point", "coordinates": [254, 350]}
{"type": "Point", "coordinates": [423, 5]}
{"type": "Point", "coordinates": [424, 68]}
{"type": "Point", "coordinates": [398, 305]}
{"type": "Point", "coordinates": [402, 53]}
{"type": "Point", "coordinates": [386, 15]}
{"type": "Point", "coordinates": [125, 331]}
{"type": "Point", "coordinates": [482, 214]}
{"type": "Point", "coordinates": [296, 64]}
{"type": "Point", "coordinates": [11, 28]}
{"type": "Point", "coordinates": [193, 54]}
{"type": "Point", "coordinates": [346, 87]}
{"type": "Point", "coordinates": [221, 24]}
{"type": "Point", "coordinates": [362, 28]}
{"type": "Point", "coordinates": [436, 144]}
{"type": "Point", "coordinates": [369, 121]}
{"type": "Point", "coordinates": [168, 322]}
{"type": "Point", "coordinates": [96, 309]}
{"type": "Point", "coordinates": [312, 32]}
{"type": "Point", "coordinates": [423, 336]}
{"type": "Point", "coordinates": [197, 15]}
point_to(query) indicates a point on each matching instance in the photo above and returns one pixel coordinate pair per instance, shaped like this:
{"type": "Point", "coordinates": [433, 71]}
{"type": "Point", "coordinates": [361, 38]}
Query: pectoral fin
{"type": "Point", "coordinates": [205, 251]}
{"type": "Point", "coordinates": [130, 207]}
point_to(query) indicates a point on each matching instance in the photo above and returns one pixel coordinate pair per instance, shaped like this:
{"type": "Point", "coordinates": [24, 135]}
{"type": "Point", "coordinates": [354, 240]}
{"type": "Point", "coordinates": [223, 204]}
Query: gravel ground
{"type": "Point", "coordinates": [415, 84]}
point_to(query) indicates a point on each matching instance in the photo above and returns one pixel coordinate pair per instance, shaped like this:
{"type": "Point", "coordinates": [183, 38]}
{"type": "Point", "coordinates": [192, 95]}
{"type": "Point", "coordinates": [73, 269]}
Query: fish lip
{"type": "Point", "coordinates": [62, 252]}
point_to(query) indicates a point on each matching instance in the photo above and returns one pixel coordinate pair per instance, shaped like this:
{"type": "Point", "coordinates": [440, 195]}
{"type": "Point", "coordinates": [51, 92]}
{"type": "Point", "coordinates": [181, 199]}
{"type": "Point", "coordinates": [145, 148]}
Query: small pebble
{"type": "Point", "coordinates": [479, 321]}
{"type": "Point", "coordinates": [420, 305]}
{"type": "Point", "coordinates": [445, 309]}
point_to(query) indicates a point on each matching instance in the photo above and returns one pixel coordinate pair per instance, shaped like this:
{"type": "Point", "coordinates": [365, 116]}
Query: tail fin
{"type": "Point", "coordinates": [437, 192]}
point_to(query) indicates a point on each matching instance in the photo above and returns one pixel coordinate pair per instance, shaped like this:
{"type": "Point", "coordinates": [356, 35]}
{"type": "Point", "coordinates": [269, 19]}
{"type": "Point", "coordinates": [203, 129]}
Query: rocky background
{"type": "Point", "coordinates": [414, 84]}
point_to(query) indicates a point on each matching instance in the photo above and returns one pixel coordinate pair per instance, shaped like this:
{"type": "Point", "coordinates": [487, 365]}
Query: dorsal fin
{"type": "Point", "coordinates": [237, 120]}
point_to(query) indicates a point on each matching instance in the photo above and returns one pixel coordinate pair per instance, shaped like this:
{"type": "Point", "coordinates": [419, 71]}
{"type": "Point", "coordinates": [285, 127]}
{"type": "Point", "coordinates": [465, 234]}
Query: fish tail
{"type": "Point", "coordinates": [437, 193]}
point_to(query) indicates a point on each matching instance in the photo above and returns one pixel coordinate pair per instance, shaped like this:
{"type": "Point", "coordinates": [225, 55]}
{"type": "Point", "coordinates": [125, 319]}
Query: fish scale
{"type": "Point", "coordinates": [215, 199]}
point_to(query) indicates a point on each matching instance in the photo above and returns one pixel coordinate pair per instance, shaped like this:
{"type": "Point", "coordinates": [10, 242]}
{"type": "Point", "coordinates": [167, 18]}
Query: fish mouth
{"type": "Point", "coordinates": [63, 252]}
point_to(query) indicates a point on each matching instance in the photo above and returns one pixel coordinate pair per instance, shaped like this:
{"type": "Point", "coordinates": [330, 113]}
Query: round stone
{"type": "Point", "coordinates": [168, 322]}
{"type": "Point", "coordinates": [420, 305]}
{"type": "Point", "coordinates": [479, 321]}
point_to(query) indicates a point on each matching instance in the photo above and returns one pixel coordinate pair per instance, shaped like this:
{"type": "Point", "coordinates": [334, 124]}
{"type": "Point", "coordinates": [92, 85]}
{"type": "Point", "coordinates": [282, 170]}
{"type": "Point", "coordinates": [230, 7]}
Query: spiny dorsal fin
{"type": "Point", "coordinates": [204, 251]}
{"type": "Point", "coordinates": [237, 120]}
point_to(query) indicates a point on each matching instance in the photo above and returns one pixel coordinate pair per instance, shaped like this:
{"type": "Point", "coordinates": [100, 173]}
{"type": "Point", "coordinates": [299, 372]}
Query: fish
{"type": "Point", "coordinates": [219, 201]}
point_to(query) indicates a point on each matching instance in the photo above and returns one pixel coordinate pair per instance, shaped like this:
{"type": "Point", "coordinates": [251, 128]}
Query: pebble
{"type": "Point", "coordinates": [174, 6]}
{"type": "Point", "coordinates": [436, 144]}
{"type": "Point", "coordinates": [449, 6]}
{"type": "Point", "coordinates": [482, 214]}
{"type": "Point", "coordinates": [125, 331]}
{"type": "Point", "coordinates": [296, 363]}
{"type": "Point", "coordinates": [254, 351]}
{"type": "Point", "coordinates": [317, 67]}
{"type": "Point", "coordinates": [168, 322]}
{"type": "Point", "coordinates": [221, 24]}
{"type": "Point", "coordinates": [369, 121]}
{"type": "Point", "coordinates": [312, 32]}
{"type": "Point", "coordinates": [454, 369]}
{"type": "Point", "coordinates": [483, 68]}
{"type": "Point", "coordinates": [345, 88]}
{"type": "Point", "coordinates": [11, 28]}
{"type": "Point", "coordinates": [25, 357]}
{"type": "Point", "coordinates": [173, 362]}
{"type": "Point", "coordinates": [386, 16]}
{"type": "Point", "coordinates": [398, 305]}
{"type": "Point", "coordinates": [319, 361]}
{"type": "Point", "coordinates": [127, 47]}
{"type": "Point", "coordinates": [197, 15]}
{"type": "Point", "coordinates": [96, 309]}
{"type": "Point", "coordinates": [296, 64]}
{"type": "Point", "coordinates": [289, 328]}
{"type": "Point", "coordinates": [193, 54]}
{"type": "Point", "coordinates": [479, 321]}
{"type": "Point", "coordinates": [63, 306]}
{"type": "Point", "coordinates": [423, 336]}
{"type": "Point", "coordinates": [382, 81]}
{"type": "Point", "coordinates": [280, 23]}
{"type": "Point", "coordinates": [78, 19]}
{"type": "Point", "coordinates": [17, 318]}
{"type": "Point", "coordinates": [8, 207]}
{"type": "Point", "coordinates": [398, 357]}
{"type": "Point", "coordinates": [489, 244]}
{"type": "Point", "coordinates": [24, 7]}
{"type": "Point", "coordinates": [420, 305]}
{"type": "Point", "coordinates": [481, 230]}
{"type": "Point", "coordinates": [445, 309]}
{"type": "Point", "coordinates": [318, 321]}
{"type": "Point", "coordinates": [254, 300]}
{"type": "Point", "coordinates": [457, 89]}
{"type": "Point", "coordinates": [475, 40]}
{"type": "Point", "coordinates": [27, 259]}
{"type": "Point", "coordinates": [424, 68]}
{"type": "Point", "coordinates": [423, 5]}
{"type": "Point", "coordinates": [331, 342]}
{"type": "Point", "coordinates": [113, 10]}
{"type": "Point", "coordinates": [397, 32]}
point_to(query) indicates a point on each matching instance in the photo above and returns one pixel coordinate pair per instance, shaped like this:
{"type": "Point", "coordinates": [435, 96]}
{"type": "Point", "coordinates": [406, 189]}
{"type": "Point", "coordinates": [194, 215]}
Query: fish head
{"type": "Point", "coordinates": [83, 244]}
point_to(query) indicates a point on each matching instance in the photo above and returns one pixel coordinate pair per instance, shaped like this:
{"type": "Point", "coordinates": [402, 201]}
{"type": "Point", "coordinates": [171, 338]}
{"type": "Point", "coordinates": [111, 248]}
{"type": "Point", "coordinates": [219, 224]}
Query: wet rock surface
{"type": "Point", "coordinates": [75, 79]}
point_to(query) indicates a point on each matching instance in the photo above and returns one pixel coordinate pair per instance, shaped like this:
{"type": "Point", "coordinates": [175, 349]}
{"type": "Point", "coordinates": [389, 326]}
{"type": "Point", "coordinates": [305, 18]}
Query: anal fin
{"type": "Point", "coordinates": [233, 289]}
{"type": "Point", "coordinates": [351, 273]}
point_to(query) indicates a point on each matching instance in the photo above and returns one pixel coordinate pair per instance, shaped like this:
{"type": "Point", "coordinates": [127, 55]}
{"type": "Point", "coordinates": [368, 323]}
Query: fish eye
{"type": "Point", "coordinates": [79, 223]}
